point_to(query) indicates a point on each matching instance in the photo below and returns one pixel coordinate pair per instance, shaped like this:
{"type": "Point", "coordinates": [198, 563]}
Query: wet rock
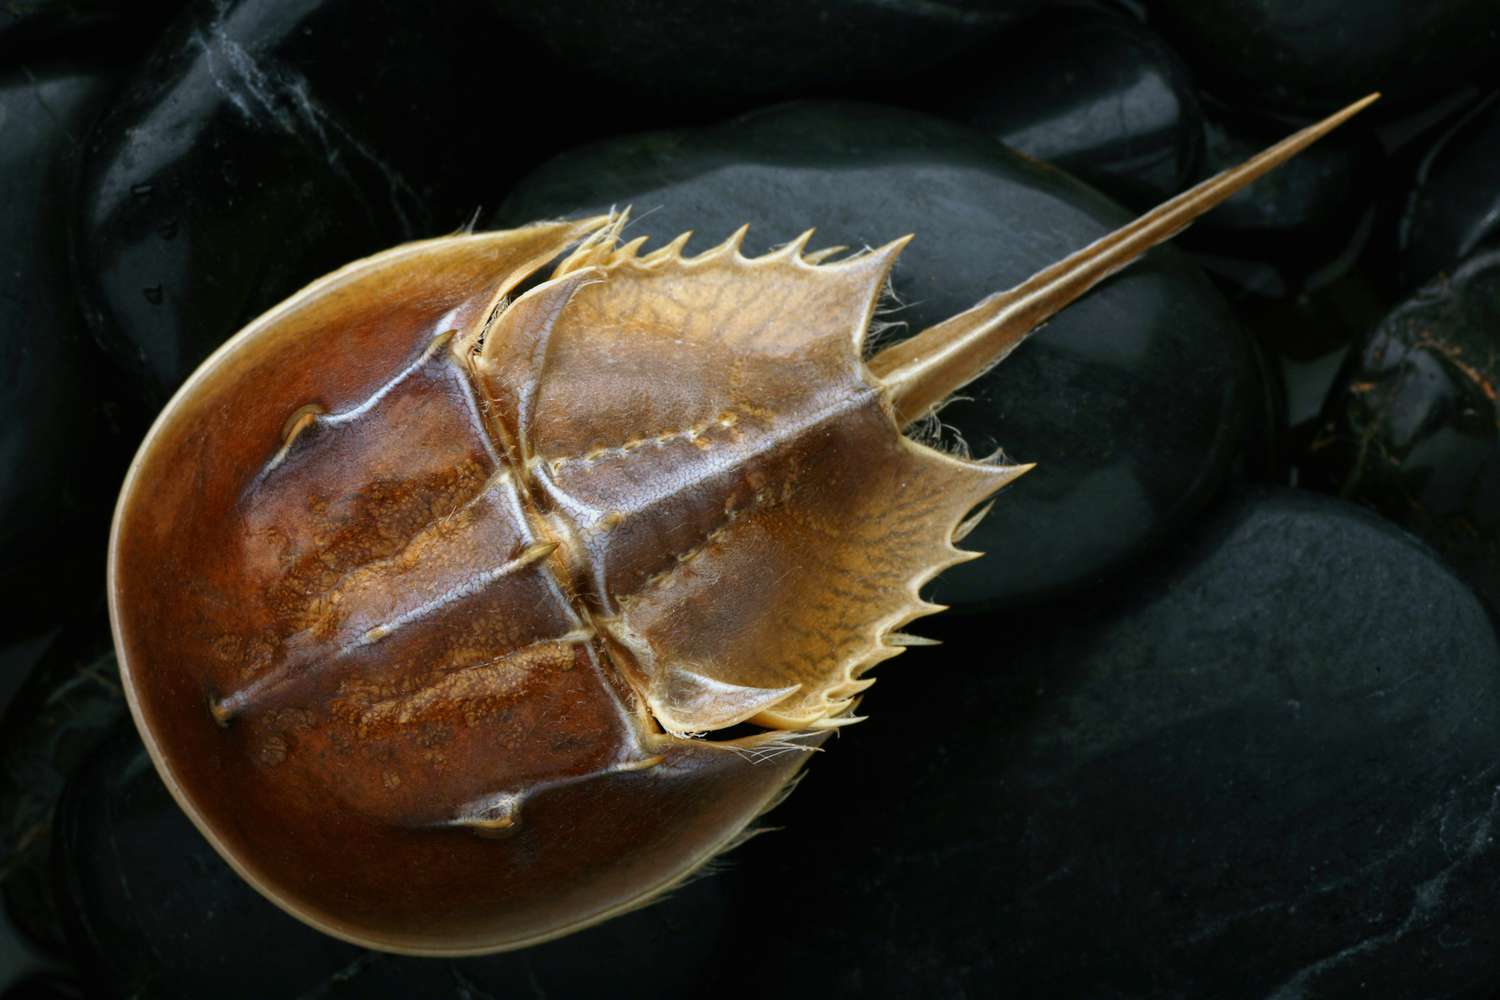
{"type": "Point", "coordinates": [1135, 401]}
{"type": "Point", "coordinates": [54, 456]}
{"type": "Point", "coordinates": [671, 58]}
{"type": "Point", "coordinates": [17, 659]}
{"type": "Point", "coordinates": [1310, 324]}
{"type": "Point", "coordinates": [1310, 57]}
{"type": "Point", "coordinates": [151, 910]}
{"type": "Point", "coordinates": [1413, 427]}
{"type": "Point", "coordinates": [67, 704]}
{"type": "Point", "coordinates": [1305, 338]}
{"type": "Point", "coordinates": [1297, 228]}
{"type": "Point", "coordinates": [1304, 341]}
{"type": "Point", "coordinates": [1264, 766]}
{"type": "Point", "coordinates": [266, 143]}
{"type": "Point", "coordinates": [26, 23]}
{"type": "Point", "coordinates": [1096, 93]}
{"type": "Point", "coordinates": [45, 988]}
{"type": "Point", "coordinates": [1454, 208]}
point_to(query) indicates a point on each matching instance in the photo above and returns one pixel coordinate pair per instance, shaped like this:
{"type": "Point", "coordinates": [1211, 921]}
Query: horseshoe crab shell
{"type": "Point", "coordinates": [462, 609]}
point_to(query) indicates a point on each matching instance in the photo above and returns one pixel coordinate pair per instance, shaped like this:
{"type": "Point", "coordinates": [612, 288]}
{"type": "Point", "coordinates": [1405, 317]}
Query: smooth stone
{"type": "Point", "coordinates": [247, 159]}
{"type": "Point", "coordinates": [1304, 340]}
{"type": "Point", "coordinates": [45, 987]}
{"type": "Point", "coordinates": [1413, 132]}
{"type": "Point", "coordinates": [67, 704]}
{"type": "Point", "coordinates": [1301, 226]}
{"type": "Point", "coordinates": [1096, 93]}
{"type": "Point", "coordinates": [24, 24]}
{"type": "Point", "coordinates": [18, 658]}
{"type": "Point", "coordinates": [660, 57]}
{"type": "Point", "coordinates": [57, 463]}
{"type": "Point", "coordinates": [1308, 324]}
{"type": "Point", "coordinates": [1454, 208]}
{"type": "Point", "coordinates": [1412, 428]}
{"type": "Point", "coordinates": [1310, 57]}
{"type": "Point", "coordinates": [1136, 401]}
{"type": "Point", "coordinates": [152, 910]}
{"type": "Point", "coordinates": [1265, 766]}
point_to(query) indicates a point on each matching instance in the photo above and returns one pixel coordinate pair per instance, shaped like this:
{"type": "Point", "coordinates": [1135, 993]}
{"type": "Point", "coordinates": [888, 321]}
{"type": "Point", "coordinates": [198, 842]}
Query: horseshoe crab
{"type": "Point", "coordinates": [462, 607]}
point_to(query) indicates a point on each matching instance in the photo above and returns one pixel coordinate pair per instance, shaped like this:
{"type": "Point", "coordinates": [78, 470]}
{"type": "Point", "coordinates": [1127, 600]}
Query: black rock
{"type": "Point", "coordinates": [1135, 401]}
{"type": "Point", "coordinates": [1413, 427]}
{"type": "Point", "coordinates": [152, 910]}
{"type": "Point", "coordinates": [1266, 766]}
{"type": "Point", "coordinates": [1312, 56]}
{"type": "Point", "coordinates": [18, 658]}
{"type": "Point", "coordinates": [1093, 92]}
{"type": "Point", "coordinates": [267, 142]}
{"type": "Point", "coordinates": [45, 987]}
{"type": "Point", "coordinates": [26, 23]}
{"type": "Point", "coordinates": [1288, 252]}
{"type": "Point", "coordinates": [1454, 208]}
{"type": "Point", "coordinates": [54, 457]}
{"type": "Point", "coordinates": [1299, 227]}
{"type": "Point", "coordinates": [67, 705]}
{"type": "Point", "coordinates": [1310, 324]}
{"type": "Point", "coordinates": [661, 57]}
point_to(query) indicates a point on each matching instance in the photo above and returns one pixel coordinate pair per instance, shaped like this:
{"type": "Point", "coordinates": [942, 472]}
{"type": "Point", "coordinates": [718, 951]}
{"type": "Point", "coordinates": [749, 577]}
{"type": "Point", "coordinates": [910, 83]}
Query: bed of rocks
{"type": "Point", "coordinates": [1219, 715]}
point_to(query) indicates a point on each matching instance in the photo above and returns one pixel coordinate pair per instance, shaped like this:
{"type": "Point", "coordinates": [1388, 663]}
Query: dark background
{"type": "Point", "coordinates": [1219, 714]}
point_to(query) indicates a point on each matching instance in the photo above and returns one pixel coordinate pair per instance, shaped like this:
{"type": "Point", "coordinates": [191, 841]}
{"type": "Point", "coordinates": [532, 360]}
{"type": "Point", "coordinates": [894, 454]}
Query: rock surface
{"type": "Point", "coordinates": [668, 58]}
{"type": "Point", "coordinates": [266, 143]}
{"type": "Point", "coordinates": [67, 705]}
{"type": "Point", "coordinates": [1454, 209]}
{"type": "Point", "coordinates": [55, 460]}
{"type": "Point", "coordinates": [1266, 766]}
{"type": "Point", "coordinates": [153, 910]}
{"type": "Point", "coordinates": [1413, 427]}
{"type": "Point", "coordinates": [1310, 57]}
{"type": "Point", "coordinates": [1299, 227]}
{"type": "Point", "coordinates": [24, 24]}
{"type": "Point", "coordinates": [1094, 92]}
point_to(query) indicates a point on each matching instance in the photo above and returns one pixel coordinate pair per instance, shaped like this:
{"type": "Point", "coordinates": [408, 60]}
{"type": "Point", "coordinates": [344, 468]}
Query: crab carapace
{"type": "Point", "coordinates": [462, 606]}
